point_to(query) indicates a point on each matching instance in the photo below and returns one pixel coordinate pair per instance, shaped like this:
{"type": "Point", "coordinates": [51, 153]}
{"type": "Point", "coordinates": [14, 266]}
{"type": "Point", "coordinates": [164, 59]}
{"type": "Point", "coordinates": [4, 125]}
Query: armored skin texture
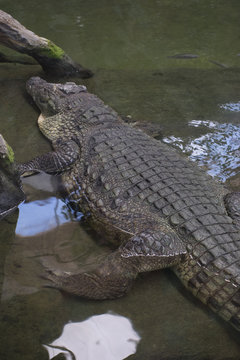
{"type": "Point", "coordinates": [159, 208]}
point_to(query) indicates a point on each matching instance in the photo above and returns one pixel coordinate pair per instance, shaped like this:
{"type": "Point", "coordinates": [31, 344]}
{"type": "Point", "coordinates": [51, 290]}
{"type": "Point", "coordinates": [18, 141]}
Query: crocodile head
{"type": "Point", "coordinates": [53, 98]}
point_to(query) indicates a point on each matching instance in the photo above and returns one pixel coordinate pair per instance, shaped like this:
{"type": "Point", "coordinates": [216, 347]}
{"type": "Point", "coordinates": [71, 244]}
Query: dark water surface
{"type": "Point", "coordinates": [137, 50]}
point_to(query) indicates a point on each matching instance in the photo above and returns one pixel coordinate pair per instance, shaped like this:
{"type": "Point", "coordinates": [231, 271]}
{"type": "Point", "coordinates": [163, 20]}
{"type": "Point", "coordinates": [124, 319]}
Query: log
{"type": "Point", "coordinates": [11, 194]}
{"type": "Point", "coordinates": [51, 57]}
{"type": "Point", "coordinates": [26, 60]}
{"type": "Point", "coordinates": [6, 152]}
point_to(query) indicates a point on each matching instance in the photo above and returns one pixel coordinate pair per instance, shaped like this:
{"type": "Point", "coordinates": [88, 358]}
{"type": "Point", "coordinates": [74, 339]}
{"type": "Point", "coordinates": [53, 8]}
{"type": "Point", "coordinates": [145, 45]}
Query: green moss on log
{"type": "Point", "coordinates": [6, 153]}
{"type": "Point", "coordinates": [52, 51]}
{"type": "Point", "coordinates": [10, 154]}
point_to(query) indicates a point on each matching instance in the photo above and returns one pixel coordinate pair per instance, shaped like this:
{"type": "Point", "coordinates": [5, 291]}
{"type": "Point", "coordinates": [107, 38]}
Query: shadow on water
{"type": "Point", "coordinates": [196, 100]}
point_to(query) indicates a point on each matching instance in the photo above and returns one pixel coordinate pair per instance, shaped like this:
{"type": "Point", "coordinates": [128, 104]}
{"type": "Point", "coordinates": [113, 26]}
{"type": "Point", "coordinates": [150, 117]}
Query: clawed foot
{"type": "Point", "coordinates": [54, 276]}
{"type": "Point", "coordinates": [108, 281]}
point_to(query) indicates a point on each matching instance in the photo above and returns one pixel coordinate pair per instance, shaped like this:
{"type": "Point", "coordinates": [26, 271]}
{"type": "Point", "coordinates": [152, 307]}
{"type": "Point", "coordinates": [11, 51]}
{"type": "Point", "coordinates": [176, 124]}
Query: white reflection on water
{"type": "Point", "coordinates": [231, 106]}
{"type": "Point", "coordinates": [101, 337]}
{"type": "Point", "coordinates": [218, 150]}
{"type": "Point", "coordinates": [41, 215]}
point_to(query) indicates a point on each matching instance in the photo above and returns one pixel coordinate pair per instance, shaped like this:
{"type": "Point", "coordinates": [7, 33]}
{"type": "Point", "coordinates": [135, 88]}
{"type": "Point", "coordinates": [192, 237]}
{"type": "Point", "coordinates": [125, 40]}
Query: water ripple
{"type": "Point", "coordinates": [218, 150]}
{"type": "Point", "coordinates": [235, 107]}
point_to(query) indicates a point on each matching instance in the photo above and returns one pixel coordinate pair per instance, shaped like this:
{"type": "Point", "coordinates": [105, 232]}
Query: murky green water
{"type": "Point", "coordinates": [127, 44]}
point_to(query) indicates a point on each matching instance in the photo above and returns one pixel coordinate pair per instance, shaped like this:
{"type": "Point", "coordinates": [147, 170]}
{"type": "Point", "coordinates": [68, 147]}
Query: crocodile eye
{"type": "Point", "coordinates": [43, 101]}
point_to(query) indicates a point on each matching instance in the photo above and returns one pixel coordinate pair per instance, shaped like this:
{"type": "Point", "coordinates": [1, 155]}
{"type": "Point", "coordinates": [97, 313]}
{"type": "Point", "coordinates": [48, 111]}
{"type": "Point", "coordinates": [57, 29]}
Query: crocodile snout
{"type": "Point", "coordinates": [34, 82]}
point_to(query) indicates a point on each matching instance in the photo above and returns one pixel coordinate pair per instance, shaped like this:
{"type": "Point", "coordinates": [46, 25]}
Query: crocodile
{"type": "Point", "coordinates": [159, 208]}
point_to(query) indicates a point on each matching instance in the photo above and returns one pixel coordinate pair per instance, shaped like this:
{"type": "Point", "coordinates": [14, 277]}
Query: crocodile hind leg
{"type": "Point", "coordinates": [114, 277]}
{"type": "Point", "coordinates": [64, 155]}
{"type": "Point", "coordinates": [111, 279]}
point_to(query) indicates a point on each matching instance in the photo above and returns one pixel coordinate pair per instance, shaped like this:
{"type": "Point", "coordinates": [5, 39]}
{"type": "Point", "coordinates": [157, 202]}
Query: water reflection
{"type": "Point", "coordinates": [231, 106]}
{"type": "Point", "coordinates": [218, 150]}
{"type": "Point", "coordinates": [41, 215]}
{"type": "Point", "coordinates": [102, 337]}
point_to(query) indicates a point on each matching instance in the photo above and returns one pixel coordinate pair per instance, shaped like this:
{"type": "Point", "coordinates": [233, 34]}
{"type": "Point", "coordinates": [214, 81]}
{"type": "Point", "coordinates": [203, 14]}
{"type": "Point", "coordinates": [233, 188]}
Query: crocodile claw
{"type": "Point", "coordinates": [52, 275]}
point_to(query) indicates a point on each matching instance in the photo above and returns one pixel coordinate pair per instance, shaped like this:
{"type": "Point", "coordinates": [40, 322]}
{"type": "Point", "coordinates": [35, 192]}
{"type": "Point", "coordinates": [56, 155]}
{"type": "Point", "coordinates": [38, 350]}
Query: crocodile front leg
{"type": "Point", "coordinates": [114, 277]}
{"type": "Point", "coordinates": [61, 159]}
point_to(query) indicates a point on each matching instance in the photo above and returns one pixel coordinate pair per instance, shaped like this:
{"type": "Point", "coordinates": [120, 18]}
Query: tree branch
{"type": "Point", "coordinates": [25, 60]}
{"type": "Point", "coordinates": [50, 56]}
